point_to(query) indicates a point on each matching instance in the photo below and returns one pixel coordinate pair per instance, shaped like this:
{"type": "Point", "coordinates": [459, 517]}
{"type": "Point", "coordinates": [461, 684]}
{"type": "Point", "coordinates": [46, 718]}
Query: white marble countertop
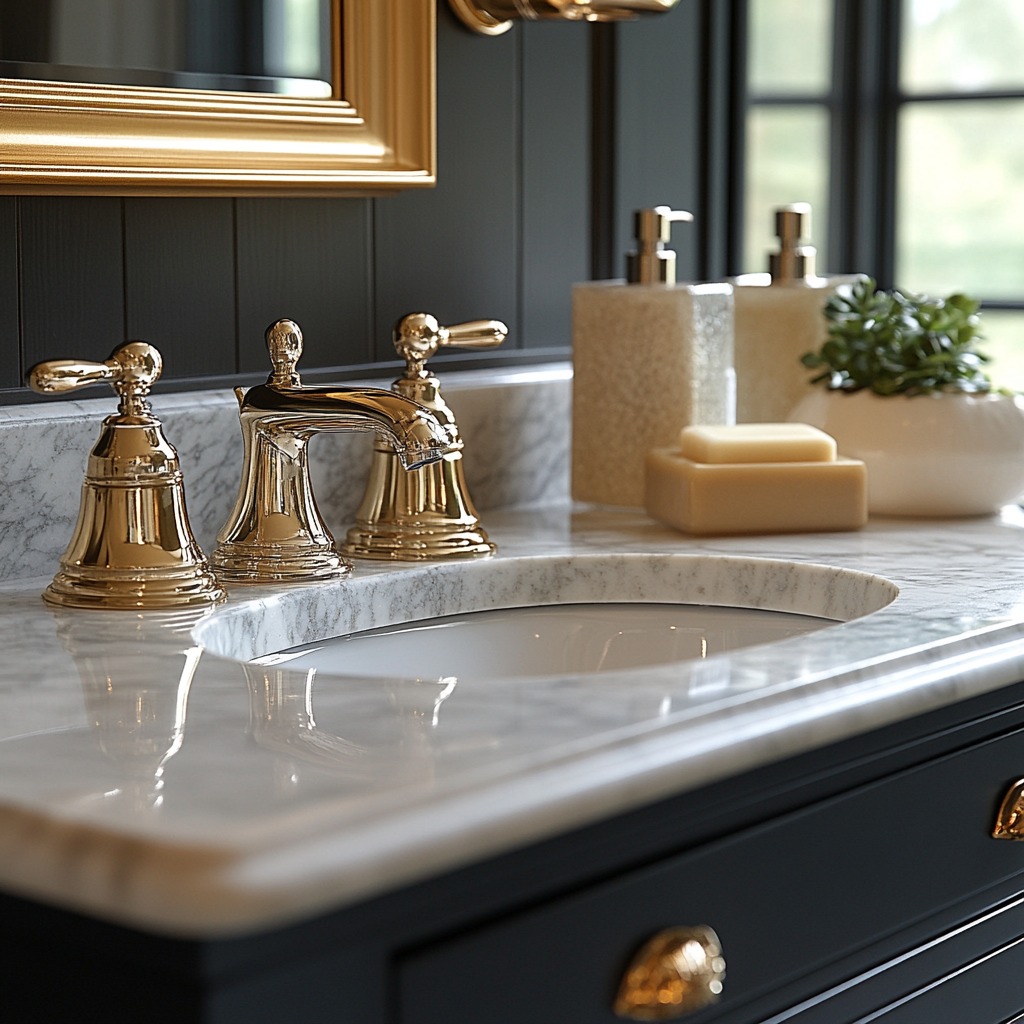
{"type": "Point", "coordinates": [147, 780]}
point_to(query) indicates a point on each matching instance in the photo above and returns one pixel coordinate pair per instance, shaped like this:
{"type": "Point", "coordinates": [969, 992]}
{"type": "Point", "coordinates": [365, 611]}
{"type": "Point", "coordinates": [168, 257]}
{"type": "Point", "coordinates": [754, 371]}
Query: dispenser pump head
{"type": "Point", "coordinates": [652, 263]}
{"type": "Point", "coordinates": [794, 261]}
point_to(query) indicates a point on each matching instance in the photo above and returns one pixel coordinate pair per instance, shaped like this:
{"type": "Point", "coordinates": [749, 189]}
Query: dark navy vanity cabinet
{"type": "Point", "coordinates": [855, 883]}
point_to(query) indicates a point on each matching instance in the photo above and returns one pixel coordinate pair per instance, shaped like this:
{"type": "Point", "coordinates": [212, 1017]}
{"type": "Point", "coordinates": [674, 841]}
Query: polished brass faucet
{"type": "Point", "coordinates": [275, 532]}
{"type": "Point", "coordinates": [425, 513]}
{"type": "Point", "coordinates": [132, 547]}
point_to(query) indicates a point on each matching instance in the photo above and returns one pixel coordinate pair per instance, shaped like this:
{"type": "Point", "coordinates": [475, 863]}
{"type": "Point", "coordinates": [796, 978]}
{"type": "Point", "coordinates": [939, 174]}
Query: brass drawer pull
{"type": "Point", "coordinates": [676, 972]}
{"type": "Point", "coordinates": [1010, 819]}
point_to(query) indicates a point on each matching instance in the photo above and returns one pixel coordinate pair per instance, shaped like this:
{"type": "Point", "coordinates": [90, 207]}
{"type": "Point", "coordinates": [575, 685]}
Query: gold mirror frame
{"type": "Point", "coordinates": [376, 134]}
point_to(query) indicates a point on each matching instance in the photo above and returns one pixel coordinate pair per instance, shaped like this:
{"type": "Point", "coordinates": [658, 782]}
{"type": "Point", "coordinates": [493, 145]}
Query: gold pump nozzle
{"type": "Point", "coordinates": [795, 259]}
{"type": "Point", "coordinates": [651, 262]}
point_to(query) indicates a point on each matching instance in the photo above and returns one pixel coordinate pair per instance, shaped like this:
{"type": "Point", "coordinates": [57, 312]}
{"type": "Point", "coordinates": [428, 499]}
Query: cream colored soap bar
{"type": "Point", "coordinates": [757, 442]}
{"type": "Point", "coordinates": [755, 497]}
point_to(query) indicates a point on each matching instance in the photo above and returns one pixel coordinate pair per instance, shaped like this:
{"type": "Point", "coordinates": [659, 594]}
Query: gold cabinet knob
{"type": "Point", "coordinates": [1010, 819]}
{"type": "Point", "coordinates": [678, 971]}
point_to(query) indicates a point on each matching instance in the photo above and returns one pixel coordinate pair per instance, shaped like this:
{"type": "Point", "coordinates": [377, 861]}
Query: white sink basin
{"type": "Point", "coordinates": [546, 641]}
{"type": "Point", "coordinates": [540, 615]}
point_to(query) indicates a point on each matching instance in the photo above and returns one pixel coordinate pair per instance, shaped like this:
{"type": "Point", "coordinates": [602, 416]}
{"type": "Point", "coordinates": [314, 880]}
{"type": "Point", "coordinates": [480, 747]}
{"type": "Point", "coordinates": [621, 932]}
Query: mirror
{"type": "Point", "coordinates": [208, 99]}
{"type": "Point", "coordinates": [278, 46]}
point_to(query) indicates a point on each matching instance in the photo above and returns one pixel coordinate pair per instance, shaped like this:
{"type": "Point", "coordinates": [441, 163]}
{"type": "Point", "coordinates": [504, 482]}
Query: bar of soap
{"type": "Point", "coordinates": [755, 497]}
{"type": "Point", "coordinates": [757, 442]}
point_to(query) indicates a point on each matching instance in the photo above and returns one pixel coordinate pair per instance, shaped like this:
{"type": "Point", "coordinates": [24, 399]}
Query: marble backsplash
{"type": "Point", "coordinates": [515, 425]}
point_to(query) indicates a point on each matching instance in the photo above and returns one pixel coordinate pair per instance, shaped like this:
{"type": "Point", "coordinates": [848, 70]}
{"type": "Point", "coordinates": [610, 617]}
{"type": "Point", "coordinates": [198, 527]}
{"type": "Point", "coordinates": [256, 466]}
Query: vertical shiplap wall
{"type": "Point", "coordinates": [505, 233]}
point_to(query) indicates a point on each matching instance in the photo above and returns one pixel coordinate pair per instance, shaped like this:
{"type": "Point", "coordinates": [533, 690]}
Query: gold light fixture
{"type": "Point", "coordinates": [493, 17]}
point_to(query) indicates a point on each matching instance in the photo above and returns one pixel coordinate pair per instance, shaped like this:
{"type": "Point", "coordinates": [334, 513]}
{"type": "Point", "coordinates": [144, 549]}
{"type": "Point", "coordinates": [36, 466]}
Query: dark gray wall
{"type": "Point", "coordinates": [548, 137]}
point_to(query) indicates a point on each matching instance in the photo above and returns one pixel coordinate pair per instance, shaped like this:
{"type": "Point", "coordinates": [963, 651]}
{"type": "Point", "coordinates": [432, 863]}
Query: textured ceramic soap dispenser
{"type": "Point", "coordinates": [423, 513]}
{"type": "Point", "coordinates": [132, 547]}
{"type": "Point", "coordinates": [779, 317]}
{"type": "Point", "coordinates": [650, 357]}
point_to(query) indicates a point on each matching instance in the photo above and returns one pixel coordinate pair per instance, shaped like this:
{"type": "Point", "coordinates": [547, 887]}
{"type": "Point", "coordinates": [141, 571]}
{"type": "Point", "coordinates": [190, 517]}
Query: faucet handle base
{"type": "Point", "coordinates": [416, 515]}
{"type": "Point", "coordinates": [402, 542]}
{"type": "Point", "coordinates": [253, 564]}
{"type": "Point", "coordinates": [137, 589]}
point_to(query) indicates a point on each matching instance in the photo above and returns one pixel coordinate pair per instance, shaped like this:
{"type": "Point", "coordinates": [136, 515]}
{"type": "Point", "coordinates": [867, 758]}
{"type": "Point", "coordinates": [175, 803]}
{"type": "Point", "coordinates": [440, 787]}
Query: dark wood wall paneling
{"type": "Point", "coordinates": [452, 251]}
{"type": "Point", "coordinates": [180, 283]}
{"type": "Point", "coordinates": [72, 277]}
{"type": "Point", "coordinates": [10, 326]}
{"type": "Point", "coordinates": [506, 232]}
{"type": "Point", "coordinates": [659, 155]}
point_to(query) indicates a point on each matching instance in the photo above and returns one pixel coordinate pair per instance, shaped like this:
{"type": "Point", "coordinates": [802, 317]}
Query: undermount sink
{"type": "Point", "coordinates": [541, 615]}
{"type": "Point", "coordinates": [546, 641]}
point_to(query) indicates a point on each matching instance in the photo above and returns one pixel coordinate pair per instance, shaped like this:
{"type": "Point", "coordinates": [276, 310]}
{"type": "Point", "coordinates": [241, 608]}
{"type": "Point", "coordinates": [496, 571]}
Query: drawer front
{"type": "Point", "coordinates": [784, 898]}
{"type": "Point", "coordinates": [987, 991]}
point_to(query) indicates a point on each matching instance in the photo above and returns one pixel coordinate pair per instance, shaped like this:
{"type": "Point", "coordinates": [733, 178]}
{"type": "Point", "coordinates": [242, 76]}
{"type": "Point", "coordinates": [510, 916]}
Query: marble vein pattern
{"type": "Point", "coordinates": [515, 424]}
{"type": "Point", "coordinates": [258, 794]}
{"type": "Point", "coordinates": [151, 775]}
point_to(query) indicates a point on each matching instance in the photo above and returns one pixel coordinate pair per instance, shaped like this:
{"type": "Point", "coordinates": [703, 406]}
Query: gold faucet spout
{"type": "Point", "coordinates": [275, 532]}
{"type": "Point", "coordinates": [416, 434]}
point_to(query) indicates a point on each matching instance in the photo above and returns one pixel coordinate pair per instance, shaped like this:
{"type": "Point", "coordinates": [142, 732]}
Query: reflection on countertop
{"type": "Point", "coordinates": [148, 780]}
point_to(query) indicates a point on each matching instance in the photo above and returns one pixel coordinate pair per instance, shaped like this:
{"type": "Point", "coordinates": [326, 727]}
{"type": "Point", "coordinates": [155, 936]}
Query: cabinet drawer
{"type": "Point", "coordinates": [985, 991]}
{"type": "Point", "coordinates": [785, 898]}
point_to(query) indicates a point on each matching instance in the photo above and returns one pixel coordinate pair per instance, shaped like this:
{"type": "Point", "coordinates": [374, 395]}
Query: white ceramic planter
{"type": "Point", "coordinates": [948, 454]}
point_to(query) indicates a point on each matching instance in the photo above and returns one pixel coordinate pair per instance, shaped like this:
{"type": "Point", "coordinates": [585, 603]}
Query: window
{"type": "Point", "coordinates": [902, 123]}
{"type": "Point", "coordinates": [788, 118]}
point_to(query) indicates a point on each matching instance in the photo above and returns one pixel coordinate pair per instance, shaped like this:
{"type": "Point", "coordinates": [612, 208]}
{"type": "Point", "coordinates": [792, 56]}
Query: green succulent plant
{"type": "Point", "coordinates": [899, 344]}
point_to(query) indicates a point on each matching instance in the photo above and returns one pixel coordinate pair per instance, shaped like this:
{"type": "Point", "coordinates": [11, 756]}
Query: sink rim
{"type": "Point", "coordinates": [592, 639]}
{"type": "Point", "coordinates": [260, 621]}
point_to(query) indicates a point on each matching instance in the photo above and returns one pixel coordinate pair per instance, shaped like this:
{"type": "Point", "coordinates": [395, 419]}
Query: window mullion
{"type": "Point", "coordinates": [724, 111]}
{"type": "Point", "coordinates": [863, 157]}
{"type": "Point", "coordinates": [732, 199]}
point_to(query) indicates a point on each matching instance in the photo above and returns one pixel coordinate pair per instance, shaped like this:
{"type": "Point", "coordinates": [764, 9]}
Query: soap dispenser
{"type": "Point", "coordinates": [650, 357]}
{"type": "Point", "coordinates": [779, 317]}
{"type": "Point", "coordinates": [424, 513]}
{"type": "Point", "coordinates": [132, 547]}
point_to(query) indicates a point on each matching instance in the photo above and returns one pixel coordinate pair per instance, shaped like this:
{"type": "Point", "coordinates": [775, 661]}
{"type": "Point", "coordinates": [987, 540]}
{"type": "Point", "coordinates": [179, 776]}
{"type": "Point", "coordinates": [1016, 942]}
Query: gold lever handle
{"type": "Point", "coordinates": [476, 334]}
{"type": "Point", "coordinates": [1010, 819]}
{"type": "Point", "coordinates": [418, 336]}
{"type": "Point", "coordinates": [678, 971]}
{"type": "Point", "coordinates": [132, 547]}
{"type": "Point", "coordinates": [132, 369]}
{"type": "Point", "coordinates": [61, 375]}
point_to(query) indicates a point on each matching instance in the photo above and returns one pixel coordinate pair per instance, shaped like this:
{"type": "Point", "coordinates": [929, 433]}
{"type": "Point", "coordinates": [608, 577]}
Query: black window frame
{"type": "Point", "coordinates": [864, 102]}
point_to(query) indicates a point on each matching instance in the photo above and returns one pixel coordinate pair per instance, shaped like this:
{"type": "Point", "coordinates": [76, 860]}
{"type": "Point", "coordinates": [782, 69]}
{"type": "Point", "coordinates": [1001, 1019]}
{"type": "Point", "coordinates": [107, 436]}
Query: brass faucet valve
{"type": "Point", "coordinates": [275, 532]}
{"type": "Point", "coordinates": [425, 513]}
{"type": "Point", "coordinates": [132, 546]}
